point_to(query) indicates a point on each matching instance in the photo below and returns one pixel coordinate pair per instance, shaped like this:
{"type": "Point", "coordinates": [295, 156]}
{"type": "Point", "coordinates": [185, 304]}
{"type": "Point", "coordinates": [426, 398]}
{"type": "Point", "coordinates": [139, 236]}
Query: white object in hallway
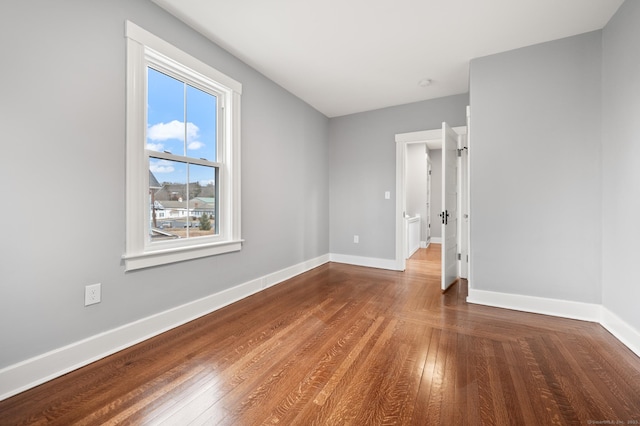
{"type": "Point", "coordinates": [413, 234]}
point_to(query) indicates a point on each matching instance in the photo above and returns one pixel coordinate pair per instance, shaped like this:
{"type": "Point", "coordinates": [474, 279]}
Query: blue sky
{"type": "Point", "coordinates": [168, 126]}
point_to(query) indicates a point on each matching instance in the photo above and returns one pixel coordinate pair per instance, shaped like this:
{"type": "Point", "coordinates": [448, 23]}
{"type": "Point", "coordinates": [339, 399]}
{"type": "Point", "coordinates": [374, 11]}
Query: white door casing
{"type": "Point", "coordinates": [463, 205]}
{"type": "Point", "coordinates": [428, 219]}
{"type": "Point", "coordinates": [433, 139]}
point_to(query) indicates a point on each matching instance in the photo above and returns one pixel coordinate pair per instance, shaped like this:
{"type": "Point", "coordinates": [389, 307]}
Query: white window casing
{"type": "Point", "coordinates": [144, 50]}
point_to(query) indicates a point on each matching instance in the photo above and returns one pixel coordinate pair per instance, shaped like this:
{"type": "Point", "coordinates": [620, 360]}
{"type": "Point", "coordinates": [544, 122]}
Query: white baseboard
{"type": "Point", "coordinates": [622, 331]}
{"type": "Point", "coordinates": [592, 312]}
{"type": "Point", "coordinates": [370, 262]}
{"type": "Point", "coordinates": [290, 272]}
{"type": "Point", "coordinates": [436, 240]}
{"type": "Point", "coordinates": [536, 305]}
{"type": "Point", "coordinates": [42, 368]}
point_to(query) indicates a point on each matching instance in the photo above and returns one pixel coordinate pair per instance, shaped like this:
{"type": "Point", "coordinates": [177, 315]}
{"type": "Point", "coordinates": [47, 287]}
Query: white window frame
{"type": "Point", "coordinates": [145, 49]}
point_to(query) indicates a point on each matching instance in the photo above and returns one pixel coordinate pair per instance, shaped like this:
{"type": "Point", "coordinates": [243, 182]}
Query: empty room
{"type": "Point", "coordinates": [340, 212]}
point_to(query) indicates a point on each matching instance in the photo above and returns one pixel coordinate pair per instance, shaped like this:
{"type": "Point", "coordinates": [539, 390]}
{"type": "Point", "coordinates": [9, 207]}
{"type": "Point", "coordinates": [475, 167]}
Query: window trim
{"type": "Point", "coordinates": [144, 49]}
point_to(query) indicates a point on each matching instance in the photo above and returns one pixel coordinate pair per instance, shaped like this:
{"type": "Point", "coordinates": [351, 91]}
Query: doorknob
{"type": "Point", "coordinates": [445, 217]}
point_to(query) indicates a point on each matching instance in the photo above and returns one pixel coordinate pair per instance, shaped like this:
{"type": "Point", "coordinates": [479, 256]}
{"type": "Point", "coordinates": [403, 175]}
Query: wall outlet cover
{"type": "Point", "coordinates": [92, 294]}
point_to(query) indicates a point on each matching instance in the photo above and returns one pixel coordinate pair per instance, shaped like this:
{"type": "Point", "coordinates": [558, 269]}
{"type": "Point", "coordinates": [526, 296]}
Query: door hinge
{"type": "Point", "coordinates": [460, 151]}
{"type": "Point", "coordinates": [459, 256]}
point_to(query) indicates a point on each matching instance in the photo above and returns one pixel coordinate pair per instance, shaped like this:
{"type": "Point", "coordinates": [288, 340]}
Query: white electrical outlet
{"type": "Point", "coordinates": [92, 294]}
{"type": "Point", "coordinates": [387, 195]}
{"type": "Point", "coordinates": [356, 239]}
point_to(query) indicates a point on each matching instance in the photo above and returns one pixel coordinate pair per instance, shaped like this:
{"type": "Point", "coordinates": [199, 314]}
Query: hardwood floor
{"type": "Point", "coordinates": [349, 345]}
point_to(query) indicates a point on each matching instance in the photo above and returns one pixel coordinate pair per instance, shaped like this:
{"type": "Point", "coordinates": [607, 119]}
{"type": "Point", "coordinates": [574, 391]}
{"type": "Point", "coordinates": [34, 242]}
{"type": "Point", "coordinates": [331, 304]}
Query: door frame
{"type": "Point", "coordinates": [402, 140]}
{"type": "Point", "coordinates": [429, 191]}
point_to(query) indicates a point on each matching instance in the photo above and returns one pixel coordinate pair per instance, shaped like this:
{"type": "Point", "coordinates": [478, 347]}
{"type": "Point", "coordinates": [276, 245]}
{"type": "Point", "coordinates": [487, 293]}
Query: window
{"type": "Point", "coordinates": [182, 155]}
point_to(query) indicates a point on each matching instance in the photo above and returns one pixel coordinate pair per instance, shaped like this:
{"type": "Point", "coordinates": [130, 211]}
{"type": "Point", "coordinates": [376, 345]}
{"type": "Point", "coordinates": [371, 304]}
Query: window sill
{"type": "Point", "coordinates": [149, 259]}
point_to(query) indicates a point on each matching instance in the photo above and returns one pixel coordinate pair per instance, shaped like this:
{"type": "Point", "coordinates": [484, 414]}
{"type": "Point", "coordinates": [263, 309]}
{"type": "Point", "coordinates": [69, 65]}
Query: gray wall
{"type": "Point", "coordinates": [362, 163]}
{"type": "Point", "coordinates": [62, 164]}
{"type": "Point", "coordinates": [536, 170]}
{"type": "Point", "coordinates": [621, 163]}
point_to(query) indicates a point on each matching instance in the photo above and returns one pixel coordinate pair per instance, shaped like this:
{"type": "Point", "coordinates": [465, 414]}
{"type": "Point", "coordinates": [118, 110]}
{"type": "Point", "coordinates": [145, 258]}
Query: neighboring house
{"type": "Point", "coordinates": [168, 202]}
{"type": "Point", "coordinates": [179, 209]}
{"type": "Point", "coordinates": [153, 182]}
{"type": "Point", "coordinates": [175, 191]}
{"type": "Point", "coordinates": [200, 205]}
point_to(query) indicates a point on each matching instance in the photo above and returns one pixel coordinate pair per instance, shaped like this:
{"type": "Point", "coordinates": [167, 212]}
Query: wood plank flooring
{"type": "Point", "coordinates": [346, 345]}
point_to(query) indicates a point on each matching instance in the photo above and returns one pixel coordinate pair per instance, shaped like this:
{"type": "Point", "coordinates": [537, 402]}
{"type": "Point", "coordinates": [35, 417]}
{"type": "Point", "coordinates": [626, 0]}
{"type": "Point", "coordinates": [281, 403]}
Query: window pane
{"type": "Point", "coordinates": [168, 199]}
{"type": "Point", "coordinates": [201, 124]}
{"type": "Point", "coordinates": [165, 113]}
{"type": "Point", "coordinates": [202, 202]}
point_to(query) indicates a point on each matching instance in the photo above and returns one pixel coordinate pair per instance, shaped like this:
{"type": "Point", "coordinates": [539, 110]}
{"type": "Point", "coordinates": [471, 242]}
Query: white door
{"type": "Point", "coordinates": [449, 215]}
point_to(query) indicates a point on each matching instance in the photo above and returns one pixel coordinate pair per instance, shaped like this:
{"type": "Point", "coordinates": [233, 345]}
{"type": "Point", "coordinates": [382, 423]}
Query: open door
{"type": "Point", "coordinates": [449, 215]}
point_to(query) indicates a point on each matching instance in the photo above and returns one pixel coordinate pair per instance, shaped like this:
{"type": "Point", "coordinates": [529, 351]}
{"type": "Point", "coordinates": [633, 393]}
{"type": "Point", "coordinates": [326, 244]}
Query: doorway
{"type": "Point", "coordinates": [432, 139]}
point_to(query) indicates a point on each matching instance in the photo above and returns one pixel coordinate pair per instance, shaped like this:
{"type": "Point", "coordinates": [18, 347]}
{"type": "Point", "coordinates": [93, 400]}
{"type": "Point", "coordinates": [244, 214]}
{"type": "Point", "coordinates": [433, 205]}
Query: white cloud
{"type": "Point", "coordinates": [155, 146]}
{"type": "Point", "coordinates": [195, 145]}
{"type": "Point", "coordinates": [172, 130]}
{"type": "Point", "coordinates": [161, 166]}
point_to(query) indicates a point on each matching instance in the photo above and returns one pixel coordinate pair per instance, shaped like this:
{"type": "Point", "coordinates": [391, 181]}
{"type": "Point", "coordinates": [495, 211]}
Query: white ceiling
{"type": "Point", "coordinates": [347, 56]}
